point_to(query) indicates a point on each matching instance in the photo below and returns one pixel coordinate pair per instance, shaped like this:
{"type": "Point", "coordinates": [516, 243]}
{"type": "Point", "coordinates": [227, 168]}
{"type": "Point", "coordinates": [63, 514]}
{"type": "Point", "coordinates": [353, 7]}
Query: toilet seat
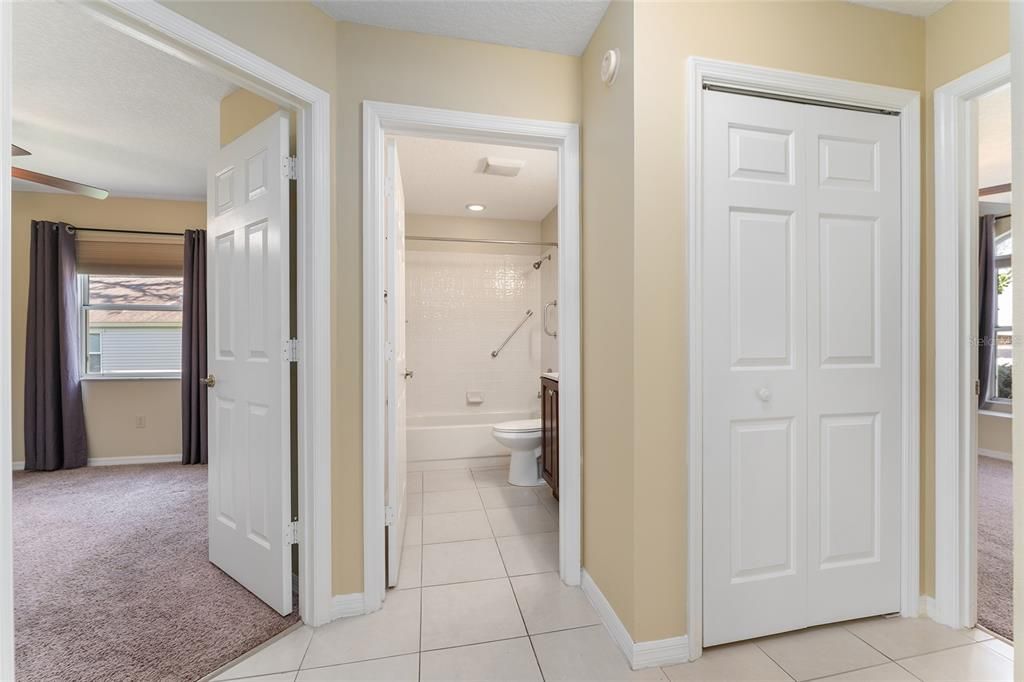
{"type": "Point", "coordinates": [519, 426]}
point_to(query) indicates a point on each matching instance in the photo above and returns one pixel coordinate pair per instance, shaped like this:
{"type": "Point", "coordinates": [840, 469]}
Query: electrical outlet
{"type": "Point", "coordinates": [140, 422]}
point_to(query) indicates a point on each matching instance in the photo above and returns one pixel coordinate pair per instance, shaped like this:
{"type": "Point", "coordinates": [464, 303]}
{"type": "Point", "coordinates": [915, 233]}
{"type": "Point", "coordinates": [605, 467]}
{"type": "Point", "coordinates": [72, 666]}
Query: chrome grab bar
{"type": "Point", "coordinates": [547, 306]}
{"type": "Point", "coordinates": [494, 353]}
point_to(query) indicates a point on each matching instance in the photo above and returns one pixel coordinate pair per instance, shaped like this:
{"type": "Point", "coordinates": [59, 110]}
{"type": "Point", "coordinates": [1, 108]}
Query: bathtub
{"type": "Point", "coordinates": [456, 436]}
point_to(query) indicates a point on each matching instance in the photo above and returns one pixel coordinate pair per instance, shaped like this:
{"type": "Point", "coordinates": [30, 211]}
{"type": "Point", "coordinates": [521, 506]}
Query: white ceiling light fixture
{"type": "Point", "coordinates": [475, 208]}
{"type": "Point", "coordinates": [508, 168]}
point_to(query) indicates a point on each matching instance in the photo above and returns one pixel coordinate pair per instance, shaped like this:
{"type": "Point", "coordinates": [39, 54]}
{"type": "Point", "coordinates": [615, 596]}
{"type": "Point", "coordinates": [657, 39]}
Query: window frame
{"type": "Point", "coordinates": [84, 306]}
{"type": "Point", "coordinates": [991, 401]}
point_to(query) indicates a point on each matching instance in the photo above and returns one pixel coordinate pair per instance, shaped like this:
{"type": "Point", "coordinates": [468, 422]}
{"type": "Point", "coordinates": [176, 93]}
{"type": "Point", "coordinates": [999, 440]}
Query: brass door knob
{"type": "Point", "coordinates": [210, 381]}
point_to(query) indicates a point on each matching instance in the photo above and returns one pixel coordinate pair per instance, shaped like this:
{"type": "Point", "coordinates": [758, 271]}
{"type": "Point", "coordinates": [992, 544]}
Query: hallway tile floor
{"type": "Point", "coordinates": [479, 598]}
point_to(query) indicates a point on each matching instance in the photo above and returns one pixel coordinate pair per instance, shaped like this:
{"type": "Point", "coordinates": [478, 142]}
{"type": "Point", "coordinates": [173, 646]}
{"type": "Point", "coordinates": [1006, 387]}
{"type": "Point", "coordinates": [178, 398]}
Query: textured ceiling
{"type": "Point", "coordinates": [917, 8]}
{"type": "Point", "coordinates": [441, 176]}
{"type": "Point", "coordinates": [563, 26]}
{"type": "Point", "coordinates": [95, 106]}
{"type": "Point", "coordinates": [994, 160]}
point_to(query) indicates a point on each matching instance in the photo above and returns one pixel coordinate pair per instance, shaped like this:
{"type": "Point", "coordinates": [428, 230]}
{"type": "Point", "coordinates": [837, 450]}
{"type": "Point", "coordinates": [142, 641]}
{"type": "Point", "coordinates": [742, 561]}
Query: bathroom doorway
{"type": "Point", "coordinates": [471, 357]}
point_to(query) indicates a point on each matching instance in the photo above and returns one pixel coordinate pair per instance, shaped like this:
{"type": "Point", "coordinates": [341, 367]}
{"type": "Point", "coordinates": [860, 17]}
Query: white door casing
{"type": "Point", "coordinates": [801, 365]}
{"type": "Point", "coordinates": [249, 413]}
{"type": "Point", "coordinates": [396, 461]}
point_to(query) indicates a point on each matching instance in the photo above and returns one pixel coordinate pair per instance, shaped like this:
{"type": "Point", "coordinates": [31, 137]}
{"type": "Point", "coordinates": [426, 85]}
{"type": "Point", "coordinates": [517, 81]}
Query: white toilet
{"type": "Point", "coordinates": [523, 438]}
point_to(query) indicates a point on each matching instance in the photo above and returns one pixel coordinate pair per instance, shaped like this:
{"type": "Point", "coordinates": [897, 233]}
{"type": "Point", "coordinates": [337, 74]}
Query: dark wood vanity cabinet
{"type": "Point", "coordinates": [549, 423]}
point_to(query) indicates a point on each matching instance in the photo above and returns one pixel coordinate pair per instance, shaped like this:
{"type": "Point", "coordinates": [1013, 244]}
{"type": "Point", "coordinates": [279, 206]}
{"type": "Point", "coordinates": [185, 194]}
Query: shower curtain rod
{"type": "Point", "coordinates": [117, 231]}
{"type": "Point", "coordinates": [466, 240]}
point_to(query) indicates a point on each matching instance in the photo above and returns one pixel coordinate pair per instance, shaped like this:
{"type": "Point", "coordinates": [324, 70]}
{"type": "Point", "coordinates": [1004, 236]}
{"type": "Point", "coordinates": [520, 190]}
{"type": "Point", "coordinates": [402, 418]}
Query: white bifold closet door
{"type": "Point", "coordinates": [801, 365]}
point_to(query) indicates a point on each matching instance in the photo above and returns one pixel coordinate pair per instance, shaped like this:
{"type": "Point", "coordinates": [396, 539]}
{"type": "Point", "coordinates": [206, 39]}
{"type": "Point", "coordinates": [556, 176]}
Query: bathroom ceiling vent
{"type": "Point", "coordinates": [508, 168]}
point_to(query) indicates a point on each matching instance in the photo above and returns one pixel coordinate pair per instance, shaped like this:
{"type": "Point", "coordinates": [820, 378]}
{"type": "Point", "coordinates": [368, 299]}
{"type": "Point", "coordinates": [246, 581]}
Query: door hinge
{"type": "Point", "coordinates": [291, 350]}
{"type": "Point", "coordinates": [389, 515]}
{"type": "Point", "coordinates": [288, 165]}
{"type": "Point", "coordinates": [292, 533]}
{"type": "Point", "coordinates": [977, 388]}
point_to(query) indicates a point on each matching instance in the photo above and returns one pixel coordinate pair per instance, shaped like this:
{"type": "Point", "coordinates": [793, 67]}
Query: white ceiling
{"type": "Point", "coordinates": [441, 176]}
{"type": "Point", "coordinates": [96, 106]}
{"type": "Point", "coordinates": [917, 8]}
{"type": "Point", "coordinates": [994, 154]}
{"type": "Point", "coordinates": [563, 26]}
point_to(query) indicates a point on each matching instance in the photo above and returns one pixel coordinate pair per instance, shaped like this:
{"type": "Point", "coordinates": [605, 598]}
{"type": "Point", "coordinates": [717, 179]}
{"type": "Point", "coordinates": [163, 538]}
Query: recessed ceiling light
{"type": "Point", "coordinates": [476, 208]}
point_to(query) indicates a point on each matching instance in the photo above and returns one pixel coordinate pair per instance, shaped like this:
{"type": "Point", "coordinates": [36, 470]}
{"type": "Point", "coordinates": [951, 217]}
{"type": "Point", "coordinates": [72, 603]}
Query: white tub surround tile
{"type": "Point", "coordinates": [470, 613]}
{"type": "Point", "coordinates": [455, 562]}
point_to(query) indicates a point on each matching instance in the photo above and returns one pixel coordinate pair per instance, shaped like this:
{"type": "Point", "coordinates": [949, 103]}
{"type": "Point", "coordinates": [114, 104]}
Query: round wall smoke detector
{"type": "Point", "coordinates": [610, 66]}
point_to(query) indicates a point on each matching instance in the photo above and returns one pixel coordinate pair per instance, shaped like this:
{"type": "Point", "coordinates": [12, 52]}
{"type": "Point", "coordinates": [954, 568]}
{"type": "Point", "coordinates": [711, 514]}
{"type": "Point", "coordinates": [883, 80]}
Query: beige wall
{"type": "Point", "coordinates": [241, 111]}
{"type": "Point", "coordinates": [549, 226]}
{"type": "Point", "coordinates": [470, 228]}
{"type": "Point", "coordinates": [110, 406]}
{"type": "Point", "coordinates": [608, 264]}
{"type": "Point", "coordinates": [995, 433]}
{"type": "Point", "coordinates": [958, 39]}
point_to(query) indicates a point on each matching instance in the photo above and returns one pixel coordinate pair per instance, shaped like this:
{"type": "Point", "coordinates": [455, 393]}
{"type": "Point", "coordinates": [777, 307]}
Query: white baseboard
{"type": "Point", "coordinates": [347, 605]}
{"type": "Point", "coordinates": [927, 606]}
{"type": "Point", "coordinates": [995, 454]}
{"type": "Point", "coordinates": [639, 654]}
{"type": "Point", "coordinates": [113, 461]}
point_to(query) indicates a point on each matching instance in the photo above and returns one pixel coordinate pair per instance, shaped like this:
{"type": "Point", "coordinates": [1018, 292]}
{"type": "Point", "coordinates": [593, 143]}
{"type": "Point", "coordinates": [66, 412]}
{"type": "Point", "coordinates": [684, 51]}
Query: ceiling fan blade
{"type": "Point", "coordinates": [60, 183]}
{"type": "Point", "coordinates": [19, 151]}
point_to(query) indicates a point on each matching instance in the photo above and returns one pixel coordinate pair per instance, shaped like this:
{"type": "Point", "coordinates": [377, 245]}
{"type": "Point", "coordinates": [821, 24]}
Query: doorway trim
{"type": "Point", "coordinates": [382, 119]}
{"type": "Point", "coordinates": [760, 80]}
{"type": "Point", "coordinates": [956, 213]}
{"type": "Point", "coordinates": [166, 30]}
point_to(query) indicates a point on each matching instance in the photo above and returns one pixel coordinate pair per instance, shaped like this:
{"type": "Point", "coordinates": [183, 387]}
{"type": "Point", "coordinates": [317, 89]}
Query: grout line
{"type": "Point", "coordinates": [908, 672]}
{"type": "Point", "coordinates": [334, 665]}
{"type": "Point", "coordinates": [847, 629]}
{"type": "Point", "coordinates": [777, 664]}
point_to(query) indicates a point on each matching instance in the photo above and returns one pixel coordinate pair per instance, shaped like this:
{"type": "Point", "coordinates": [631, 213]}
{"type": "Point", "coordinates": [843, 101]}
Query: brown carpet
{"type": "Point", "coordinates": [112, 580]}
{"type": "Point", "coordinates": [995, 546]}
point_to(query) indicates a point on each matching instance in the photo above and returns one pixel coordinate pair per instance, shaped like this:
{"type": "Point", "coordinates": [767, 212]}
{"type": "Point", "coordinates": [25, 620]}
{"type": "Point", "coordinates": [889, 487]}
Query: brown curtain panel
{"type": "Point", "coordinates": [193, 352]}
{"type": "Point", "coordinates": [54, 417]}
{"type": "Point", "coordinates": [987, 304]}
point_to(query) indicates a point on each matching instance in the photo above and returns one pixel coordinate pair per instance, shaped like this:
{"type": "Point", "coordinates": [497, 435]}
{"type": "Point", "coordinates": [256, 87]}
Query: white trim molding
{"type": "Point", "coordinates": [956, 218]}
{"type": "Point", "coordinates": [19, 465]}
{"type": "Point", "coordinates": [151, 22]}
{"type": "Point", "coordinates": [995, 454]}
{"type": "Point", "coordinates": [639, 654]}
{"type": "Point", "coordinates": [381, 120]}
{"type": "Point", "coordinates": [347, 605]}
{"type": "Point", "coordinates": [701, 71]}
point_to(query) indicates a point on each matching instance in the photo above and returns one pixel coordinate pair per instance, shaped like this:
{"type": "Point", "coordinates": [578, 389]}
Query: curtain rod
{"type": "Point", "coordinates": [116, 231]}
{"type": "Point", "coordinates": [466, 240]}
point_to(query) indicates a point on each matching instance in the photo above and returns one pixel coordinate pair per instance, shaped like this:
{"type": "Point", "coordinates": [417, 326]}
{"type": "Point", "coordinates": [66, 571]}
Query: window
{"type": "Point", "coordinates": [1000, 391]}
{"type": "Point", "coordinates": [131, 326]}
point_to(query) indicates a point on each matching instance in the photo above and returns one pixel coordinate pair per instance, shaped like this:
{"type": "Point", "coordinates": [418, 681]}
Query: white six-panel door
{"type": "Point", "coordinates": [801, 329]}
{"type": "Point", "coordinates": [396, 461]}
{"type": "Point", "coordinates": [249, 420]}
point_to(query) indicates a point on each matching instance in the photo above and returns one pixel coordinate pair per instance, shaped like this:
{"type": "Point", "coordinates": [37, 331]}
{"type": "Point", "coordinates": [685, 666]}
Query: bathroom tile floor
{"type": "Point", "coordinates": [479, 598]}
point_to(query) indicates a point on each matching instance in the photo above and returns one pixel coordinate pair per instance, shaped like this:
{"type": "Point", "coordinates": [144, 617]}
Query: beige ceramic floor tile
{"type": "Point", "coordinates": [409, 572]}
{"type": "Point", "coordinates": [414, 482]}
{"type": "Point", "coordinates": [525, 554]}
{"type": "Point", "coordinates": [1000, 647]}
{"type": "Point", "coordinates": [470, 613]}
{"type": "Point", "coordinates": [731, 663]}
{"type": "Point", "coordinates": [438, 481]}
{"type": "Point", "coordinates": [455, 527]}
{"type": "Point", "coordinates": [394, 669]}
{"type": "Point", "coordinates": [971, 663]}
{"type": "Point", "coordinates": [549, 604]}
{"type": "Point", "coordinates": [507, 660]}
{"type": "Point", "coordinates": [456, 562]}
{"type": "Point", "coordinates": [392, 631]}
{"type": "Point", "coordinates": [820, 652]}
{"type": "Point", "coordinates": [520, 520]}
{"type": "Point", "coordinates": [414, 504]}
{"type": "Point", "coordinates": [889, 672]}
{"type": "Point", "coordinates": [585, 655]}
{"type": "Point", "coordinates": [279, 677]}
{"type": "Point", "coordinates": [414, 530]}
{"type": "Point", "coordinates": [905, 637]}
{"type": "Point", "coordinates": [282, 655]}
{"type": "Point", "coordinates": [495, 498]}
{"type": "Point", "coordinates": [451, 501]}
{"type": "Point", "coordinates": [491, 478]}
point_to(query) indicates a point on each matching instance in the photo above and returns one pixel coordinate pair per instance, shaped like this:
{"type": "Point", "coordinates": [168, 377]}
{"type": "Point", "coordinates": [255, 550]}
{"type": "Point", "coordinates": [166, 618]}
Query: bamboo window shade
{"type": "Point", "coordinates": [124, 254]}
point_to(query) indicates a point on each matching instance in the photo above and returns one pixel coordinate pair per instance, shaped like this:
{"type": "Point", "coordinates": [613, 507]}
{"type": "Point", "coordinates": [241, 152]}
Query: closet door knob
{"type": "Point", "coordinates": [210, 381]}
{"type": "Point", "coordinates": [764, 394]}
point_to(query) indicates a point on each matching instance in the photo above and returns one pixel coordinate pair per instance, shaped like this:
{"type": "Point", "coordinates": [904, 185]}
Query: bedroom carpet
{"type": "Point", "coordinates": [995, 546]}
{"type": "Point", "coordinates": [112, 580]}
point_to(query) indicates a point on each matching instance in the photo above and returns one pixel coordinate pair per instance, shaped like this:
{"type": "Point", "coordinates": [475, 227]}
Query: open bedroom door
{"type": "Point", "coordinates": [247, 347]}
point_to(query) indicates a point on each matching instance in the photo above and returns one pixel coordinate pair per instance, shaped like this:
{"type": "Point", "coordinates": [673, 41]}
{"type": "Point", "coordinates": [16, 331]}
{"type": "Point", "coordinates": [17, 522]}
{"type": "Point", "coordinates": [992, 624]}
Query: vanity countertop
{"type": "Point", "coordinates": [550, 375]}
